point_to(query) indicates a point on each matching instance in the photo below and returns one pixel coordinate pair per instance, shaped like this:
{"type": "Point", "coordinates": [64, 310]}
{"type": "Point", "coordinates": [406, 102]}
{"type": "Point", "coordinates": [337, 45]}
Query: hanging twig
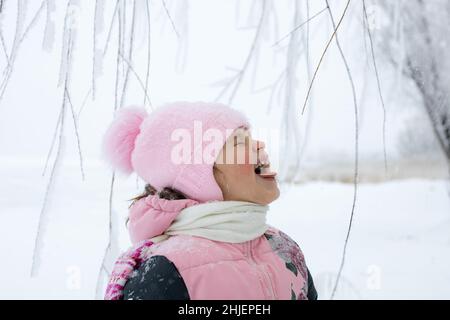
{"type": "Point", "coordinates": [323, 54]}
{"type": "Point", "coordinates": [356, 168]}
{"type": "Point", "coordinates": [98, 11]}
{"type": "Point", "coordinates": [43, 214]}
{"type": "Point", "coordinates": [5, 50]}
{"type": "Point", "coordinates": [105, 50]}
{"type": "Point", "coordinates": [170, 18]}
{"type": "Point", "coordinates": [291, 128]}
{"type": "Point", "coordinates": [33, 21]}
{"type": "Point", "coordinates": [119, 50]}
{"type": "Point", "coordinates": [49, 31]}
{"type": "Point", "coordinates": [369, 33]}
{"type": "Point", "coordinates": [17, 35]}
{"type": "Point", "coordinates": [111, 25]}
{"type": "Point", "coordinates": [276, 87]}
{"type": "Point", "coordinates": [103, 267]}
{"type": "Point", "coordinates": [148, 55]}
{"type": "Point", "coordinates": [18, 39]}
{"type": "Point", "coordinates": [299, 26]}
{"type": "Point", "coordinates": [52, 144]}
{"type": "Point", "coordinates": [83, 104]}
{"type": "Point", "coordinates": [130, 56]}
{"type": "Point", "coordinates": [182, 17]}
{"type": "Point", "coordinates": [308, 71]}
{"type": "Point", "coordinates": [2, 40]}
{"type": "Point", "coordinates": [237, 79]}
{"type": "Point", "coordinates": [77, 135]}
{"type": "Point", "coordinates": [138, 78]}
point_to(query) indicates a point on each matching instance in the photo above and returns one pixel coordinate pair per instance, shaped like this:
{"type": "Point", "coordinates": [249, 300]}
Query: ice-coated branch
{"type": "Point", "coordinates": [323, 55]}
{"type": "Point", "coordinates": [111, 25]}
{"type": "Point", "coordinates": [53, 143]}
{"type": "Point", "coordinates": [77, 134]}
{"type": "Point", "coordinates": [291, 129]}
{"type": "Point", "coordinates": [43, 216]}
{"type": "Point", "coordinates": [96, 56]}
{"type": "Point", "coordinates": [170, 18]}
{"type": "Point", "coordinates": [147, 75]}
{"type": "Point", "coordinates": [306, 22]}
{"type": "Point", "coordinates": [112, 226]}
{"type": "Point", "coordinates": [19, 37]}
{"type": "Point", "coordinates": [130, 56]}
{"type": "Point", "coordinates": [113, 243]}
{"type": "Point", "coordinates": [138, 78]}
{"type": "Point", "coordinates": [49, 32]}
{"type": "Point", "coordinates": [377, 75]}
{"type": "Point", "coordinates": [309, 75]}
{"type": "Point", "coordinates": [356, 164]}
{"type": "Point", "coordinates": [236, 80]}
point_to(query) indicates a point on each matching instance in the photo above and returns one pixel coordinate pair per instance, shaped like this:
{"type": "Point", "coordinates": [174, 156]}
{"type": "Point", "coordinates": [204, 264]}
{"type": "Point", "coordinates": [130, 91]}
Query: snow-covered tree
{"type": "Point", "coordinates": [416, 43]}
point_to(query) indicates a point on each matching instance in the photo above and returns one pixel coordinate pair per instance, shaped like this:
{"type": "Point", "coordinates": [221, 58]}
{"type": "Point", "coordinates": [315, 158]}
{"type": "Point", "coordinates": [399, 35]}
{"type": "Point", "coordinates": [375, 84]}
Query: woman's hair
{"type": "Point", "coordinates": [166, 193]}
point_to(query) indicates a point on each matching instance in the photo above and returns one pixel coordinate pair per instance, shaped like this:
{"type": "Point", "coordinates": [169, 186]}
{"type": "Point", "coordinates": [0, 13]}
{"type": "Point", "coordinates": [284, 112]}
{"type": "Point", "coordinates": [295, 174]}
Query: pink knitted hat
{"type": "Point", "coordinates": [149, 144]}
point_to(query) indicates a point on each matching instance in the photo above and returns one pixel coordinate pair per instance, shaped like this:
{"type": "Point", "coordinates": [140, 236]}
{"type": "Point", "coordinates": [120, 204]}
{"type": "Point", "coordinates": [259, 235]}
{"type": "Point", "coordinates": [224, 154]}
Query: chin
{"type": "Point", "coordinates": [270, 196]}
{"type": "Point", "coordinates": [265, 190]}
{"type": "Point", "coordinates": [276, 194]}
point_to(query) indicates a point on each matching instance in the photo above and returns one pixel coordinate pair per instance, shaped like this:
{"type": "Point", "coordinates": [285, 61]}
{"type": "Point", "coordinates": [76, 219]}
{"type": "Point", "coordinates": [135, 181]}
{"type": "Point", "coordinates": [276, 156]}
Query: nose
{"type": "Point", "coordinates": [261, 154]}
{"type": "Point", "coordinates": [257, 144]}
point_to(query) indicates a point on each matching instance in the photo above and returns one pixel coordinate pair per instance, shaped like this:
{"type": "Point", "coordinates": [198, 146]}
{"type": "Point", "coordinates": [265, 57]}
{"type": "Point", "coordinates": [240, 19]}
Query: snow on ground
{"type": "Point", "coordinates": [399, 247]}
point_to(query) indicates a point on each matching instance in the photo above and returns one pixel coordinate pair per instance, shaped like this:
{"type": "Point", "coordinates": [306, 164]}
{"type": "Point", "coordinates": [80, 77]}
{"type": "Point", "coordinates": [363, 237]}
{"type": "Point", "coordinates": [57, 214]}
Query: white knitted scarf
{"type": "Point", "coordinates": [226, 221]}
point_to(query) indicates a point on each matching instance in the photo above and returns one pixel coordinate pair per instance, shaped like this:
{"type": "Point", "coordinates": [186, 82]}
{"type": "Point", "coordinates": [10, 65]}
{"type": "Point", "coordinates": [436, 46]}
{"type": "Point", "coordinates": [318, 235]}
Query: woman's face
{"type": "Point", "coordinates": [242, 170]}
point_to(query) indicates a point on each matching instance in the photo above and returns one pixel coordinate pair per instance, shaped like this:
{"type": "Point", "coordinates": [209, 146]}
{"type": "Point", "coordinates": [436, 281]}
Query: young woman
{"type": "Point", "coordinates": [199, 230]}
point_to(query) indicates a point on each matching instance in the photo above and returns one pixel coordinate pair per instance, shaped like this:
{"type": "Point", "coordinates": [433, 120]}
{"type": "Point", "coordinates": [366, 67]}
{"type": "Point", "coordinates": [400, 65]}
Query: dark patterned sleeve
{"type": "Point", "coordinates": [312, 293]}
{"type": "Point", "coordinates": [156, 279]}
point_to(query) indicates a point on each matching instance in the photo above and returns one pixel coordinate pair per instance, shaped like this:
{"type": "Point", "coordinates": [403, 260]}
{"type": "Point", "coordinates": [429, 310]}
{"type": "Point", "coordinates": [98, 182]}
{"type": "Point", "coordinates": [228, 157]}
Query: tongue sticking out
{"type": "Point", "coordinates": [270, 174]}
{"type": "Point", "coordinates": [267, 173]}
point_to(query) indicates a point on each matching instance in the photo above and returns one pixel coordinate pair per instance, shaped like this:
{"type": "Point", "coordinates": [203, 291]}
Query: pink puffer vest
{"type": "Point", "coordinates": [271, 266]}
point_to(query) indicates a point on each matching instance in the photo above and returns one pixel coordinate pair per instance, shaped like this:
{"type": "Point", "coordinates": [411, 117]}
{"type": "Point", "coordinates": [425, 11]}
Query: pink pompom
{"type": "Point", "coordinates": [119, 139]}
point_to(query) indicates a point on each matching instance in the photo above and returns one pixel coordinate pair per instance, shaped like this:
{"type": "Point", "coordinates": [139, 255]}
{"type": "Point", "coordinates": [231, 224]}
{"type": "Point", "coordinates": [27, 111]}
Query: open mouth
{"type": "Point", "coordinates": [263, 170]}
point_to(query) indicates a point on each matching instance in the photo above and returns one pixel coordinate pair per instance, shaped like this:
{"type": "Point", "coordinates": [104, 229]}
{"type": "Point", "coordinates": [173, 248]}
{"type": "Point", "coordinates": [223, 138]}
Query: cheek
{"type": "Point", "coordinates": [246, 170]}
{"type": "Point", "coordinates": [241, 174]}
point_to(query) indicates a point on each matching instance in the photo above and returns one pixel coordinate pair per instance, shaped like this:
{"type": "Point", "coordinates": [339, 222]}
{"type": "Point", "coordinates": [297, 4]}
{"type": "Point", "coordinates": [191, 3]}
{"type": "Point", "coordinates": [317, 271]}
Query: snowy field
{"type": "Point", "coordinates": [399, 247]}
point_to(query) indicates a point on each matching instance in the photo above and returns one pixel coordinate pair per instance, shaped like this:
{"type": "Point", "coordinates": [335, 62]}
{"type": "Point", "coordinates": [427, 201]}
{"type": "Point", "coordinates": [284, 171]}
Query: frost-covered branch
{"type": "Point", "coordinates": [69, 35]}
{"type": "Point", "coordinates": [309, 75]}
{"type": "Point", "coordinates": [170, 18]}
{"type": "Point", "coordinates": [377, 75]}
{"type": "Point", "coordinates": [98, 28]}
{"type": "Point", "coordinates": [77, 134]}
{"type": "Point", "coordinates": [323, 55]}
{"type": "Point", "coordinates": [130, 56]}
{"type": "Point", "coordinates": [138, 78]}
{"type": "Point", "coordinates": [19, 36]}
{"type": "Point", "coordinates": [356, 164]}
{"type": "Point", "coordinates": [147, 75]}
{"type": "Point", "coordinates": [291, 128]}
{"type": "Point", "coordinates": [235, 81]}
{"type": "Point", "coordinates": [299, 26]}
{"type": "Point", "coordinates": [424, 60]}
{"type": "Point", "coordinates": [49, 32]}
